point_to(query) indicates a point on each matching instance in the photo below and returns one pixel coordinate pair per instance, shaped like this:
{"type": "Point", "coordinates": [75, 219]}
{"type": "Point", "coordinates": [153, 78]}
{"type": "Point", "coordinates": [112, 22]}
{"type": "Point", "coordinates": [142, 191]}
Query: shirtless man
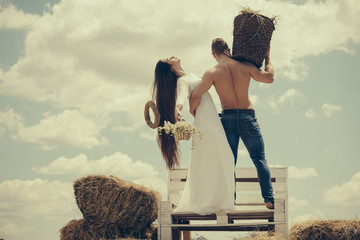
{"type": "Point", "coordinates": [231, 80]}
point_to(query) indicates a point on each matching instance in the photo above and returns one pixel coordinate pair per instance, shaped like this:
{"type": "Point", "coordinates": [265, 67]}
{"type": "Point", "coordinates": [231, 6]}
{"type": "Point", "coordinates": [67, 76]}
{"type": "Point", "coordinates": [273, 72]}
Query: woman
{"type": "Point", "coordinates": [210, 181]}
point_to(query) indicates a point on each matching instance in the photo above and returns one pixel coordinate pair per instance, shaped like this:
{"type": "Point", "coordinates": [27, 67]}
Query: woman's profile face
{"type": "Point", "coordinates": [172, 61]}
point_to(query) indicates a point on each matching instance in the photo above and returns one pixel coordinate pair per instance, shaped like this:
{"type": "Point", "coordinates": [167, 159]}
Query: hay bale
{"type": "Point", "coordinates": [75, 230]}
{"type": "Point", "coordinates": [82, 230]}
{"type": "Point", "coordinates": [263, 236]}
{"type": "Point", "coordinates": [252, 35]}
{"type": "Point", "coordinates": [112, 204]}
{"type": "Point", "coordinates": [326, 229]}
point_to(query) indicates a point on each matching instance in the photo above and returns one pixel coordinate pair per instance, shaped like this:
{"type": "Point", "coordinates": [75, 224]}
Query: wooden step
{"type": "Point", "coordinates": [259, 226]}
{"type": "Point", "coordinates": [235, 215]}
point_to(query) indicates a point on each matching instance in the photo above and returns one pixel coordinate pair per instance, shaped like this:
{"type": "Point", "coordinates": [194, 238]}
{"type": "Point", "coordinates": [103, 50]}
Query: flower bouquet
{"type": "Point", "coordinates": [181, 130]}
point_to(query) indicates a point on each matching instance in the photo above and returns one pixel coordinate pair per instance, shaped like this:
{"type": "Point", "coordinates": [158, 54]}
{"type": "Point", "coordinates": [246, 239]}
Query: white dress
{"type": "Point", "coordinates": [210, 182]}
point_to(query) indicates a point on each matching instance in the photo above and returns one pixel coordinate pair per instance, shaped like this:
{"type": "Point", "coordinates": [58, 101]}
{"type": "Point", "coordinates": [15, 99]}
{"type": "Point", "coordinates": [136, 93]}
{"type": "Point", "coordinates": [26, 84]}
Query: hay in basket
{"type": "Point", "coordinates": [252, 35]}
{"type": "Point", "coordinates": [110, 202]}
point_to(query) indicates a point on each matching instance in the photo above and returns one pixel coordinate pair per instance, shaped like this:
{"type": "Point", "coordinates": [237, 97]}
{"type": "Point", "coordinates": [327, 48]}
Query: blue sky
{"type": "Point", "coordinates": [75, 75]}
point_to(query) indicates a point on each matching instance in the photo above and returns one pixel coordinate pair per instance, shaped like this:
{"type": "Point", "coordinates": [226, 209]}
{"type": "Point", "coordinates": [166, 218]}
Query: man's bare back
{"type": "Point", "coordinates": [231, 81]}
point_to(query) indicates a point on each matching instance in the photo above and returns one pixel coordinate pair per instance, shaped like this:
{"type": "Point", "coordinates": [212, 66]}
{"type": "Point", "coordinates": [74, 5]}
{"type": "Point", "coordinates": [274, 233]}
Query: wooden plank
{"type": "Point", "coordinates": [279, 216]}
{"type": "Point", "coordinates": [165, 232]}
{"type": "Point", "coordinates": [249, 199]}
{"type": "Point", "coordinates": [252, 214]}
{"type": "Point", "coordinates": [176, 186]}
{"type": "Point", "coordinates": [252, 179]}
{"type": "Point", "coordinates": [165, 206]}
{"type": "Point", "coordinates": [282, 229]}
{"type": "Point", "coordinates": [276, 172]}
{"type": "Point", "coordinates": [242, 199]}
{"type": "Point", "coordinates": [174, 197]}
{"type": "Point", "coordinates": [222, 218]}
{"type": "Point", "coordinates": [228, 213]}
{"type": "Point", "coordinates": [254, 186]}
{"type": "Point", "coordinates": [259, 226]}
{"type": "Point", "coordinates": [235, 215]}
{"type": "Point", "coordinates": [254, 198]}
{"type": "Point", "coordinates": [280, 204]}
{"type": "Point", "coordinates": [251, 172]}
{"type": "Point", "coordinates": [178, 174]}
{"type": "Point", "coordinates": [246, 186]}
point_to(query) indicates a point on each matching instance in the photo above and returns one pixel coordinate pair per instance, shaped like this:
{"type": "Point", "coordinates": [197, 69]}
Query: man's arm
{"type": "Point", "coordinates": [204, 86]}
{"type": "Point", "coordinates": [266, 75]}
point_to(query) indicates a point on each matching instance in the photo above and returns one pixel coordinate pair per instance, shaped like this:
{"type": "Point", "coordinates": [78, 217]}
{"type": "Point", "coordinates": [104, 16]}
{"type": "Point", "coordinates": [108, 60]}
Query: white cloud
{"type": "Point", "coordinates": [117, 164]}
{"type": "Point", "coordinates": [310, 113]}
{"type": "Point", "coordinates": [149, 134]}
{"type": "Point", "coordinates": [314, 214]}
{"type": "Point", "coordinates": [11, 120]}
{"type": "Point", "coordinates": [345, 195]}
{"type": "Point", "coordinates": [289, 97]}
{"type": "Point", "coordinates": [298, 203]}
{"type": "Point", "coordinates": [154, 183]}
{"type": "Point", "coordinates": [38, 197]}
{"type": "Point", "coordinates": [264, 85]}
{"type": "Point", "coordinates": [303, 218]}
{"type": "Point", "coordinates": [70, 127]}
{"type": "Point", "coordinates": [329, 109]}
{"type": "Point", "coordinates": [254, 98]}
{"type": "Point", "coordinates": [12, 18]}
{"type": "Point", "coordinates": [13, 230]}
{"type": "Point", "coordinates": [299, 173]}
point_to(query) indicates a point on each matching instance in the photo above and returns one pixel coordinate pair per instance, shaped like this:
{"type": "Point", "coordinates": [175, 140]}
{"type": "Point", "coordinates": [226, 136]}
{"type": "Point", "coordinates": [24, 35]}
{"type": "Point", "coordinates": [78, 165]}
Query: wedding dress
{"type": "Point", "coordinates": [210, 182]}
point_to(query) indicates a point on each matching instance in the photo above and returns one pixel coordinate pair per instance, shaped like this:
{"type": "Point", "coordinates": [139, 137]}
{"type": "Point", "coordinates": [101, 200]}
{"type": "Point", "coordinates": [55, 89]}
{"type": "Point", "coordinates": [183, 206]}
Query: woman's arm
{"type": "Point", "coordinates": [182, 95]}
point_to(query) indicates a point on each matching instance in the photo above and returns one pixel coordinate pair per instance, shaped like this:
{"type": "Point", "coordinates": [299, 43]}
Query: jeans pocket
{"type": "Point", "coordinates": [253, 128]}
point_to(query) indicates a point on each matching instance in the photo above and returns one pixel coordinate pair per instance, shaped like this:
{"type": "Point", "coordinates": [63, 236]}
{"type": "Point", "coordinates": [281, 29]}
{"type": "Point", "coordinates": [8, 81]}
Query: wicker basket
{"type": "Point", "coordinates": [252, 35]}
{"type": "Point", "coordinates": [182, 136]}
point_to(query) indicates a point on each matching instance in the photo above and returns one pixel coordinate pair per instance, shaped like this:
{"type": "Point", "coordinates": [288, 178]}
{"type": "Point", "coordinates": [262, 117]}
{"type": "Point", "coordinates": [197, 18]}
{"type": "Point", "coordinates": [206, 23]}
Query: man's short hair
{"type": "Point", "coordinates": [219, 46]}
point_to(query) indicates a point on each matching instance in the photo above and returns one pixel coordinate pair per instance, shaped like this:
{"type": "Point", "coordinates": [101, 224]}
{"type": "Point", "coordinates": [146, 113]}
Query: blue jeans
{"type": "Point", "coordinates": [242, 123]}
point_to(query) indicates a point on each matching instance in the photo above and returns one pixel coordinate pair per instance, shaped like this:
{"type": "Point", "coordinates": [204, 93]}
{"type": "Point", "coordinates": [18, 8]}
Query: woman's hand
{"type": "Point", "coordinates": [178, 115]}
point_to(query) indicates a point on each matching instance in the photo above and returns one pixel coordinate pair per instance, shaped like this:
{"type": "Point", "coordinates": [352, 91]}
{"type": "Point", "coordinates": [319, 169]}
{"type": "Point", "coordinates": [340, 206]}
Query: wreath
{"type": "Point", "coordinates": [152, 105]}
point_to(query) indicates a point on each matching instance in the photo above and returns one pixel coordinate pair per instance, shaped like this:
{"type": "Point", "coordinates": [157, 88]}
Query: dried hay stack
{"type": "Point", "coordinates": [252, 35]}
{"type": "Point", "coordinates": [264, 236]}
{"type": "Point", "coordinates": [81, 230]}
{"type": "Point", "coordinates": [112, 208]}
{"type": "Point", "coordinates": [326, 229]}
{"type": "Point", "coordinates": [110, 200]}
{"type": "Point", "coordinates": [75, 229]}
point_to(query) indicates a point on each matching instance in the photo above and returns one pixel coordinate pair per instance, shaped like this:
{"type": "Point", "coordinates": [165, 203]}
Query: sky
{"type": "Point", "coordinates": [75, 76]}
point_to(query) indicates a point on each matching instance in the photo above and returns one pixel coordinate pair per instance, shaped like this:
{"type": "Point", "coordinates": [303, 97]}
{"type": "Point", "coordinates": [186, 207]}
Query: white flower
{"type": "Point", "coordinates": [181, 130]}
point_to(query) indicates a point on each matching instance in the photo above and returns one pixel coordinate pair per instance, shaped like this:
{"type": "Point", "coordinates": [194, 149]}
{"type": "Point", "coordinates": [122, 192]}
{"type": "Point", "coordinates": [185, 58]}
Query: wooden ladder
{"type": "Point", "coordinates": [251, 213]}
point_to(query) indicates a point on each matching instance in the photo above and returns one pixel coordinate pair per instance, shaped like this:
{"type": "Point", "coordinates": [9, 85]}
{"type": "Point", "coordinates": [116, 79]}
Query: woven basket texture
{"type": "Point", "coordinates": [252, 35]}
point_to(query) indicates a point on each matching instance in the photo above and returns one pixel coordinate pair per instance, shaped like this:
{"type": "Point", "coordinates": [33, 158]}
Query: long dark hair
{"type": "Point", "coordinates": [164, 93]}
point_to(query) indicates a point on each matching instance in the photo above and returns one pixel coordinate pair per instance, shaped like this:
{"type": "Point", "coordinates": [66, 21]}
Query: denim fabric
{"type": "Point", "coordinates": [242, 123]}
